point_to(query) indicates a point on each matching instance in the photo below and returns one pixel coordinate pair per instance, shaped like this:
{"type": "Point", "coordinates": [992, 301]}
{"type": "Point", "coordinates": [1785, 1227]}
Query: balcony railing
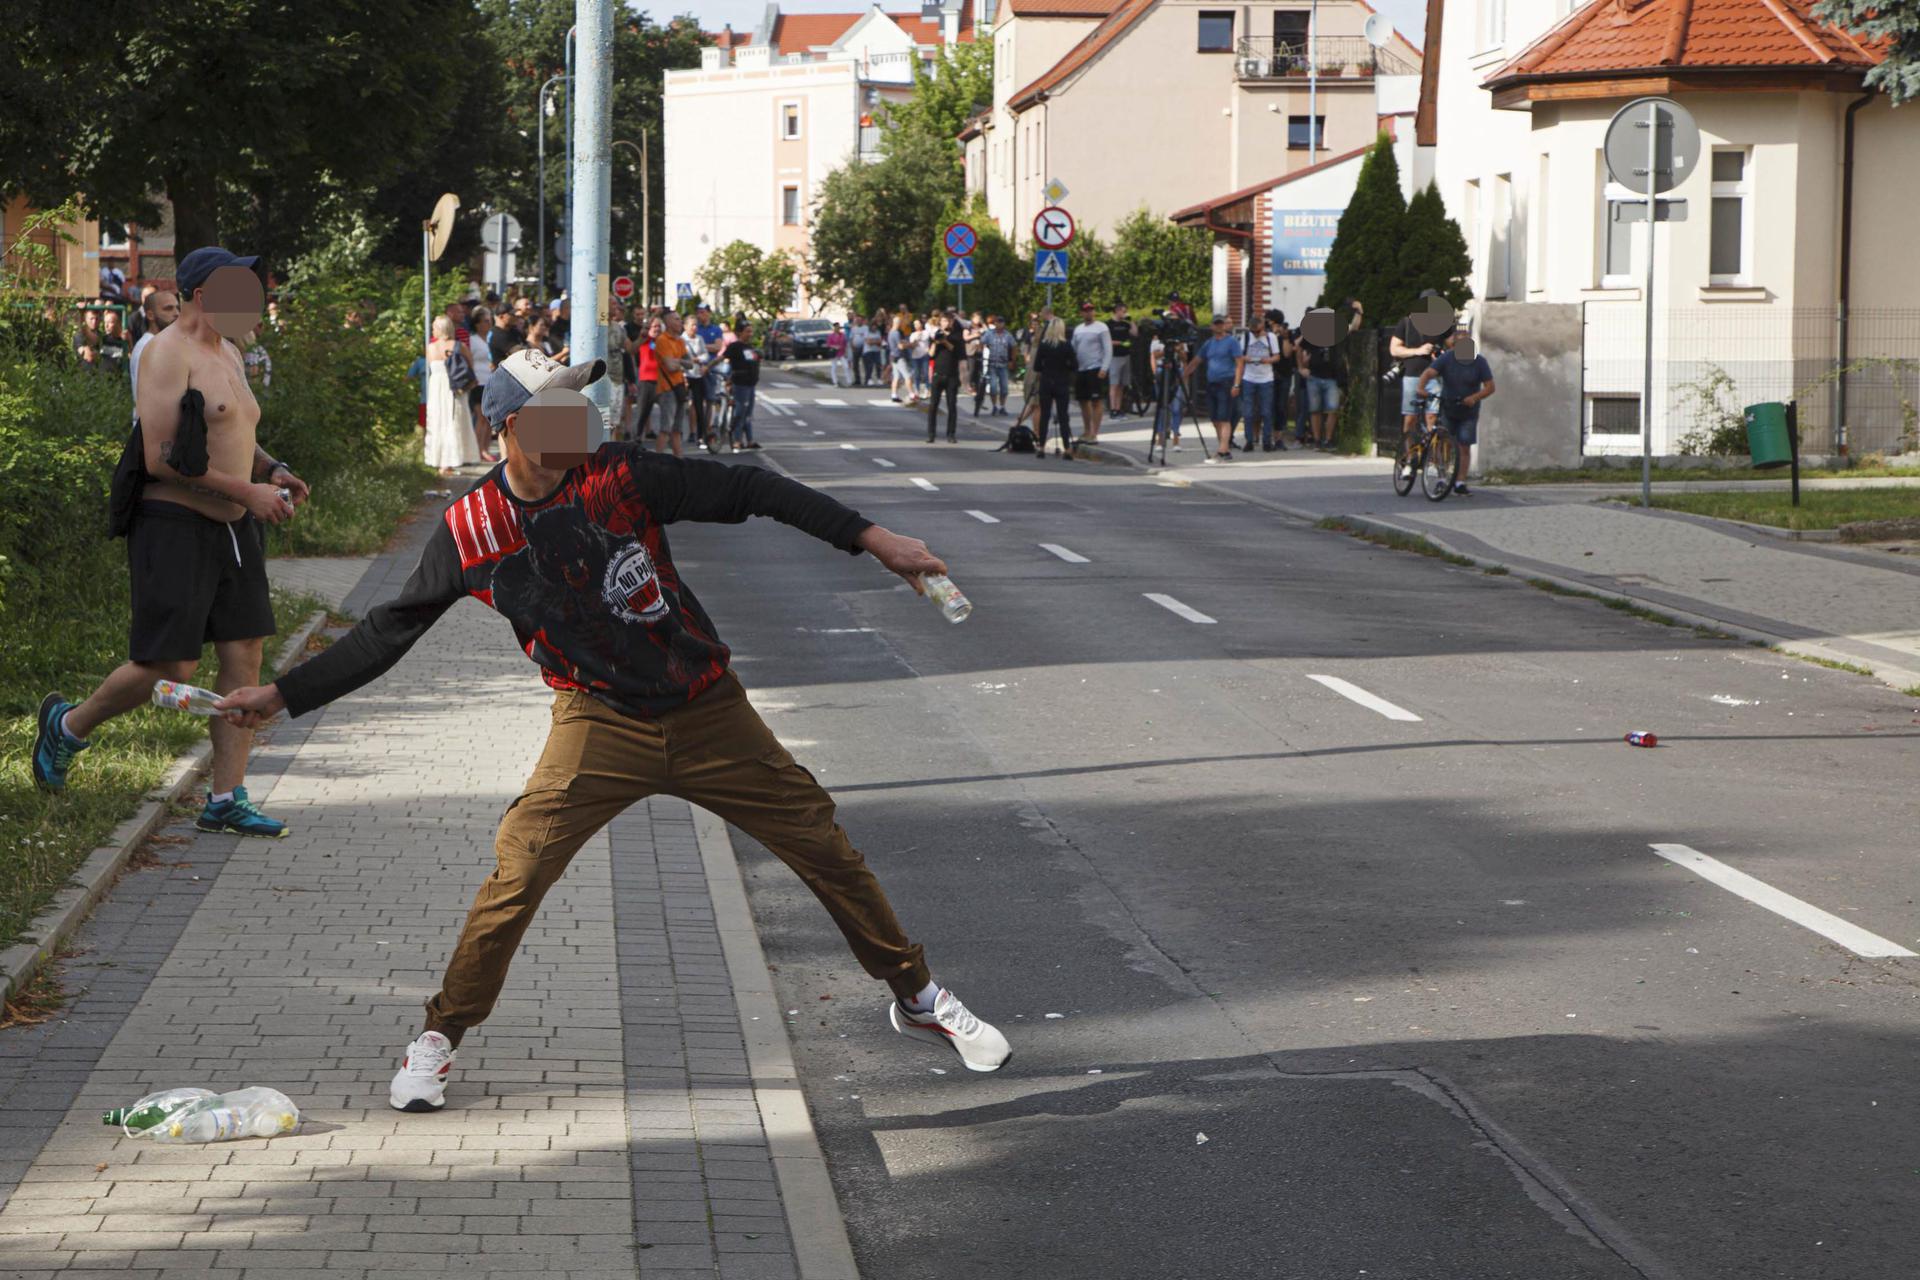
{"type": "Point", "coordinates": [1335, 57]}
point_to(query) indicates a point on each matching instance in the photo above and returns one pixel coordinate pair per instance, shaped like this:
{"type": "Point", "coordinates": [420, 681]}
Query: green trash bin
{"type": "Point", "coordinates": [1768, 439]}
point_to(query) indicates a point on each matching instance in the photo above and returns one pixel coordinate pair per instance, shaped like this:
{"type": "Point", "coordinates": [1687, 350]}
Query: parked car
{"type": "Point", "coordinates": [799, 339]}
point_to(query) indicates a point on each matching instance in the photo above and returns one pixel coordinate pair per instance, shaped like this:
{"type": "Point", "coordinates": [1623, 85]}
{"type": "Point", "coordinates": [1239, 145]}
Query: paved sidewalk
{"type": "Point", "coordinates": [1841, 603]}
{"type": "Point", "coordinates": [602, 1123]}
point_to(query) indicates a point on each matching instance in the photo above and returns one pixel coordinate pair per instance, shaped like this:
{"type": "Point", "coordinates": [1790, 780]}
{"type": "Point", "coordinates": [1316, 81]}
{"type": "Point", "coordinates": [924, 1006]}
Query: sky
{"type": "Point", "coordinates": [1409, 16]}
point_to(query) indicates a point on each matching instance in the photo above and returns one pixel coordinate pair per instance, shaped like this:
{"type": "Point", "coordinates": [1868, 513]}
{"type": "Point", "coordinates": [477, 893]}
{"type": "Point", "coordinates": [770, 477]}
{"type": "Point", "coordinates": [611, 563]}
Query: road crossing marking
{"type": "Point", "coordinates": [1760, 893]}
{"type": "Point", "coordinates": [780, 400]}
{"type": "Point", "coordinates": [799, 422]}
{"type": "Point", "coordinates": [1169, 603]}
{"type": "Point", "coordinates": [837, 404]}
{"type": "Point", "coordinates": [854, 447]}
{"type": "Point", "coordinates": [928, 485]}
{"type": "Point", "coordinates": [983, 517]}
{"type": "Point", "coordinates": [1353, 691]}
{"type": "Point", "coordinates": [819, 433]}
{"type": "Point", "coordinates": [785, 386]}
{"type": "Point", "coordinates": [882, 462]}
{"type": "Point", "coordinates": [1071, 557]}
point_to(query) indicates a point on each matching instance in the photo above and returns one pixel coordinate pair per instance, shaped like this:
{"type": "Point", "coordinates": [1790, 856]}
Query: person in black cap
{"type": "Point", "coordinates": [568, 541]}
{"type": "Point", "coordinates": [195, 544]}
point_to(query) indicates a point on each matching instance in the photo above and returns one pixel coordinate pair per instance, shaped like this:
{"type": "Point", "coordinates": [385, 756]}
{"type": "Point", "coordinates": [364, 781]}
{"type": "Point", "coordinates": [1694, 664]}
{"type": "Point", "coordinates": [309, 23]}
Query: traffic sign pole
{"type": "Point", "coordinates": [1653, 223]}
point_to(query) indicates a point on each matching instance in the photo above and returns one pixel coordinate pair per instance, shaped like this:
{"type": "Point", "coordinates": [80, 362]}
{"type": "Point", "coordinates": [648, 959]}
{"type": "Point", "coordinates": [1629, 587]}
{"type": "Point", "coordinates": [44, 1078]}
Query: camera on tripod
{"type": "Point", "coordinates": [1176, 328]}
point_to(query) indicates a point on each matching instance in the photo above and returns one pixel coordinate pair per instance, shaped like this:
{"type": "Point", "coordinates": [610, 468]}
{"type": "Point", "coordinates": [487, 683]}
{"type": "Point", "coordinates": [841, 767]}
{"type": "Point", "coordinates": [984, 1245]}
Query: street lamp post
{"type": "Point", "coordinates": [646, 218]}
{"type": "Point", "coordinates": [572, 32]}
{"type": "Point", "coordinates": [540, 127]}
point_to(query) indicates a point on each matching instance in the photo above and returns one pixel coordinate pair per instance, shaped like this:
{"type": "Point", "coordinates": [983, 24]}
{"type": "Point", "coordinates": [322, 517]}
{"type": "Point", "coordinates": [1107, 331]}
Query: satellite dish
{"type": "Point", "coordinates": [440, 226]}
{"type": "Point", "coordinates": [1379, 30]}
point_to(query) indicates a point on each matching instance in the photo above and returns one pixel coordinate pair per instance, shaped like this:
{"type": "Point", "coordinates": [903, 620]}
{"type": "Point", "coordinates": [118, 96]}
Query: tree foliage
{"type": "Point", "coordinates": [243, 113]}
{"type": "Point", "coordinates": [874, 225]}
{"type": "Point", "coordinates": [1896, 21]}
{"type": "Point", "coordinates": [1152, 258]}
{"type": "Point", "coordinates": [945, 96]}
{"type": "Point", "coordinates": [739, 277]}
{"type": "Point", "coordinates": [1364, 260]}
{"type": "Point", "coordinates": [1433, 255]}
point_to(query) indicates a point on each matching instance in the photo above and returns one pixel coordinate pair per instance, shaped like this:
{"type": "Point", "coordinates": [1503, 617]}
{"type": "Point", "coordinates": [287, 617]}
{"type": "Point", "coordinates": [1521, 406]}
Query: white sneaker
{"type": "Point", "coordinates": [421, 1082]}
{"type": "Point", "coordinates": [978, 1043]}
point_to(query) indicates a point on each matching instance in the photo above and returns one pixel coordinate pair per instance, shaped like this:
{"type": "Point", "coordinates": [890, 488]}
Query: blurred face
{"type": "Point", "coordinates": [552, 429]}
{"type": "Point", "coordinates": [1219, 326]}
{"type": "Point", "coordinates": [522, 307]}
{"type": "Point", "coordinates": [232, 300]}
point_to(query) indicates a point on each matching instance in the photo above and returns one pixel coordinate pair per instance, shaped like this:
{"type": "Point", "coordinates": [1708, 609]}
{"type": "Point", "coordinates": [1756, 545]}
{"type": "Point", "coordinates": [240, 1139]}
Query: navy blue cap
{"type": "Point", "coordinates": [193, 270]}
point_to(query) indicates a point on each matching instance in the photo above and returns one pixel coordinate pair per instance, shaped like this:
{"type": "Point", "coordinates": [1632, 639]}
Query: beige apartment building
{"type": "Point", "coordinates": [1164, 102]}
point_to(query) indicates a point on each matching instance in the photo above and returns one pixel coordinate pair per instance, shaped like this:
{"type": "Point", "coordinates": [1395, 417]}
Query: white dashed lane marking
{"type": "Point", "coordinates": [1071, 557]}
{"type": "Point", "coordinates": [853, 447]}
{"type": "Point", "coordinates": [1829, 926]}
{"type": "Point", "coordinates": [984, 518]}
{"type": "Point", "coordinates": [1354, 692]}
{"type": "Point", "coordinates": [882, 462]}
{"type": "Point", "coordinates": [1169, 603]}
{"type": "Point", "coordinates": [928, 485]}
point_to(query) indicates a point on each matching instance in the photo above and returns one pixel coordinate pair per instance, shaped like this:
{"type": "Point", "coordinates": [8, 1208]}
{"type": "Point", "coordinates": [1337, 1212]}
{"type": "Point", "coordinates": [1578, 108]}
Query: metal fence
{"type": "Point", "coordinates": [1709, 362]}
{"type": "Point", "coordinates": [1264, 58]}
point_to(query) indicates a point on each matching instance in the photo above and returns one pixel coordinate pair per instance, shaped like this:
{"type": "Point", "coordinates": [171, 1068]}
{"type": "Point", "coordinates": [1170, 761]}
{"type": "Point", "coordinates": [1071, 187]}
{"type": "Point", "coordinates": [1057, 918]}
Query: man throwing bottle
{"type": "Point", "coordinates": [570, 545]}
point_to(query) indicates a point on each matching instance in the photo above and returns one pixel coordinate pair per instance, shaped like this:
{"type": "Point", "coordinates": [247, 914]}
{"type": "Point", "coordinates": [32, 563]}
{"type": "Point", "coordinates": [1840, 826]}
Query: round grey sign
{"type": "Point", "coordinates": [1676, 145]}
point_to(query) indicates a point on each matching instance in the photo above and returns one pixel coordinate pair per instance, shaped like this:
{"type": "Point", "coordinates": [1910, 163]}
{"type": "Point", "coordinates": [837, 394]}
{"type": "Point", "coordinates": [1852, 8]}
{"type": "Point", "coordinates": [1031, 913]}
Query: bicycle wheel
{"type": "Point", "coordinates": [1436, 473]}
{"type": "Point", "coordinates": [1406, 465]}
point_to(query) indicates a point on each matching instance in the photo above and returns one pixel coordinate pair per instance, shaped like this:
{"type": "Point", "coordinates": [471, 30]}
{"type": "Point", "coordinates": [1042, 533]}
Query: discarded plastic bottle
{"type": "Point", "coordinates": [152, 1109]}
{"type": "Point", "coordinates": [244, 1113]}
{"type": "Point", "coordinates": [185, 697]}
{"type": "Point", "coordinates": [941, 591]}
{"type": "Point", "coordinates": [1641, 738]}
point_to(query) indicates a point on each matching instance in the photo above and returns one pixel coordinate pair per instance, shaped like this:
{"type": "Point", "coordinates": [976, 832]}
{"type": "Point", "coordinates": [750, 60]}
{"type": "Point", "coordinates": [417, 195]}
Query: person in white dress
{"type": "Point", "coordinates": [450, 441]}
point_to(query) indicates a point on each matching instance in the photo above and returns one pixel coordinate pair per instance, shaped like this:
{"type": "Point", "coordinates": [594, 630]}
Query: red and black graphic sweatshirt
{"type": "Point", "coordinates": [584, 575]}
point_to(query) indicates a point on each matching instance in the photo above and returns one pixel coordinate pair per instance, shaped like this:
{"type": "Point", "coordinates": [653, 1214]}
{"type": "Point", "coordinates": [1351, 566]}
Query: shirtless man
{"type": "Point", "coordinates": [196, 550]}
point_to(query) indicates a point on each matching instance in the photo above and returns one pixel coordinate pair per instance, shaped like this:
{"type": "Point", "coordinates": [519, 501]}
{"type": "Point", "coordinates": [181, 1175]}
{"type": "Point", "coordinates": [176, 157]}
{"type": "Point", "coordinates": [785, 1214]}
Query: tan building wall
{"type": "Point", "coordinates": [77, 259]}
{"type": "Point", "coordinates": [1024, 48]}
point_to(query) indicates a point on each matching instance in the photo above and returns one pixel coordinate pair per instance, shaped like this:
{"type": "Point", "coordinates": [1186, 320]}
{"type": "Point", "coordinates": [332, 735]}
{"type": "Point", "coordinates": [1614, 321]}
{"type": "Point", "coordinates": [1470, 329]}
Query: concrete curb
{"type": "Point", "coordinates": [814, 1220]}
{"type": "Point", "coordinates": [91, 879]}
{"type": "Point", "coordinates": [1894, 677]}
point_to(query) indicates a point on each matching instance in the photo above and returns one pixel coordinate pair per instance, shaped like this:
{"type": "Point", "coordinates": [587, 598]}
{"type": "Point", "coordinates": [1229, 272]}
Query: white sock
{"type": "Point", "coordinates": [71, 736]}
{"type": "Point", "coordinates": [923, 1003]}
{"type": "Point", "coordinates": [221, 797]}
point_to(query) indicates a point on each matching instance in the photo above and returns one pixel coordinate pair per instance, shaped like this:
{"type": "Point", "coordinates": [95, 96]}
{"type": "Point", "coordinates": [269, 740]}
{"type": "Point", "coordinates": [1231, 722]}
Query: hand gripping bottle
{"type": "Point", "coordinates": [244, 1113]}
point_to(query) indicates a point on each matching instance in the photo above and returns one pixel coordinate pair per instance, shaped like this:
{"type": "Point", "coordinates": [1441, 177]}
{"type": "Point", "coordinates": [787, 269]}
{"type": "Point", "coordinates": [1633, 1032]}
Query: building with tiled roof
{"type": "Point", "coordinates": [1751, 284]}
{"type": "Point", "coordinates": [750, 135]}
{"type": "Point", "coordinates": [1157, 104]}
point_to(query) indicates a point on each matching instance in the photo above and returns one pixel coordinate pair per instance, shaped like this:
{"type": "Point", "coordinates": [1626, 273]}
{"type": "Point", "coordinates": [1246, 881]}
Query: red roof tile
{"type": "Point", "coordinates": [1058, 8]}
{"type": "Point", "coordinates": [1607, 37]}
{"type": "Point", "coordinates": [799, 32]}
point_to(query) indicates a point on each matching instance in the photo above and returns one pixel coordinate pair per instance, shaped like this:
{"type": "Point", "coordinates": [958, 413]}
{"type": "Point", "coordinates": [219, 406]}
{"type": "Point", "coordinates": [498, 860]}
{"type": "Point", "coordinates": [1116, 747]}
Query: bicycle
{"type": "Point", "coordinates": [1431, 453]}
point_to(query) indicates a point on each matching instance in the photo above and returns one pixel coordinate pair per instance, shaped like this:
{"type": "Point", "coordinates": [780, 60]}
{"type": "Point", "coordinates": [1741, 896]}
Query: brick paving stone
{"type": "Point", "coordinates": [600, 1124]}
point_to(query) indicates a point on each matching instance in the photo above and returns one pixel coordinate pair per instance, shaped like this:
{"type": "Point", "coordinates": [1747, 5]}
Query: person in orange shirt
{"type": "Point", "coordinates": [671, 395]}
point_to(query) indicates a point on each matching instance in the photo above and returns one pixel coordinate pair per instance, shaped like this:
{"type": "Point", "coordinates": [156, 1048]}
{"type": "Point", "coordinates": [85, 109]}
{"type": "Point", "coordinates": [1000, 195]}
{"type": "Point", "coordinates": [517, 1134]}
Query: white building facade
{"type": "Point", "coordinates": [749, 136]}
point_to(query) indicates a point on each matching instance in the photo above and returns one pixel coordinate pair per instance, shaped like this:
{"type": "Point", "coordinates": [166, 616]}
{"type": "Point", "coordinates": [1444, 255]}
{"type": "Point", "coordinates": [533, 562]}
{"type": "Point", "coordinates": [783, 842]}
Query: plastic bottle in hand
{"type": "Point", "coordinates": [941, 591]}
{"type": "Point", "coordinates": [192, 699]}
{"type": "Point", "coordinates": [143, 1115]}
{"type": "Point", "coordinates": [244, 1113]}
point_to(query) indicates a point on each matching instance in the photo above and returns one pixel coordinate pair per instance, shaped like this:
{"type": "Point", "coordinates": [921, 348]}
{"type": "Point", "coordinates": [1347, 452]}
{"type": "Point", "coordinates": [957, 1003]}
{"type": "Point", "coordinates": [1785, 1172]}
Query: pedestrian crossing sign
{"type": "Point", "coordinates": [683, 290]}
{"type": "Point", "coordinates": [1050, 266]}
{"type": "Point", "coordinates": [959, 271]}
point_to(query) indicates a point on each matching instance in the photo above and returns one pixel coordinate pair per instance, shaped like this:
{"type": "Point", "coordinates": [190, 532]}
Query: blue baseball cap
{"type": "Point", "coordinates": [193, 270]}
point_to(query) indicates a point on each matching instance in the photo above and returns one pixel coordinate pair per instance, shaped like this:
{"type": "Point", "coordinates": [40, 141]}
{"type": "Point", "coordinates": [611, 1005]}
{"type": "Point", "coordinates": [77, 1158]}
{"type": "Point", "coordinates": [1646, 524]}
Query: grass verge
{"type": "Point", "coordinates": [1818, 509]}
{"type": "Point", "coordinates": [44, 837]}
{"type": "Point", "coordinates": [356, 512]}
{"type": "Point", "coordinates": [1393, 541]}
{"type": "Point", "coordinates": [1865, 470]}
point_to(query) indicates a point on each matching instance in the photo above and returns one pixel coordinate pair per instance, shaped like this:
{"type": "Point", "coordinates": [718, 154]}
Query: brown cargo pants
{"type": "Point", "coordinates": [715, 752]}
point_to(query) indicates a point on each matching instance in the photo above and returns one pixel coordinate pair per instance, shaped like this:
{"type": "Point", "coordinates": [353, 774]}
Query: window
{"type": "Point", "coordinates": [1216, 31]}
{"type": "Point", "coordinates": [1614, 243]}
{"type": "Point", "coordinates": [789, 120]}
{"type": "Point", "coordinates": [1492, 23]}
{"type": "Point", "coordinates": [790, 206]}
{"type": "Point", "coordinates": [1289, 32]}
{"type": "Point", "coordinates": [1298, 138]}
{"type": "Point", "coordinates": [1500, 237]}
{"type": "Point", "coordinates": [1728, 260]}
{"type": "Point", "coordinates": [1613, 415]}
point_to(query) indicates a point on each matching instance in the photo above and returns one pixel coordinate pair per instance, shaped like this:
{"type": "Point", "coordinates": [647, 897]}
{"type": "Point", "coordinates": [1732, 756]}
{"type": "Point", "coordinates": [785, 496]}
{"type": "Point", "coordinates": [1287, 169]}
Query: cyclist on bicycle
{"type": "Point", "coordinates": [1415, 351]}
{"type": "Point", "coordinates": [1464, 379]}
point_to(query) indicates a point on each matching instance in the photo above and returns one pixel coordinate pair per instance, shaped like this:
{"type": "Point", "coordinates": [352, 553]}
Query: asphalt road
{"type": "Point", "coordinates": [1436, 1005]}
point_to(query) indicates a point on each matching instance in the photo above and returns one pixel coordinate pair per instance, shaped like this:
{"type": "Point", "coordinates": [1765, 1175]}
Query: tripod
{"type": "Point", "coordinates": [1172, 377]}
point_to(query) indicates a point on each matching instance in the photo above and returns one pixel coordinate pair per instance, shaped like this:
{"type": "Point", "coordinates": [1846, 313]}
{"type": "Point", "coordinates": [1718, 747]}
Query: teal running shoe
{"type": "Point", "coordinates": [238, 817]}
{"type": "Point", "coordinates": [53, 750]}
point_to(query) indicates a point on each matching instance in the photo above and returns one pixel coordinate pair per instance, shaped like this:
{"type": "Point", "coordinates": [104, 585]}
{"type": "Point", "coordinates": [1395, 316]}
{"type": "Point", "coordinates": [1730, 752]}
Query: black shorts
{"type": "Point", "coordinates": [194, 580]}
{"type": "Point", "coordinates": [1090, 384]}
